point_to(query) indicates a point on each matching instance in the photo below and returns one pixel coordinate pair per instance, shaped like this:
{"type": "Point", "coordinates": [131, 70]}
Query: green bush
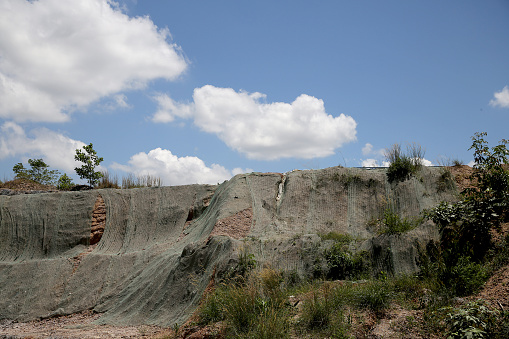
{"type": "Point", "coordinates": [337, 237]}
{"type": "Point", "coordinates": [392, 223]}
{"type": "Point", "coordinates": [477, 320]}
{"type": "Point", "coordinates": [467, 226]}
{"type": "Point", "coordinates": [466, 277]}
{"type": "Point", "coordinates": [65, 183]}
{"type": "Point", "coordinates": [400, 169]}
{"type": "Point", "coordinates": [402, 165]}
{"type": "Point", "coordinates": [342, 264]}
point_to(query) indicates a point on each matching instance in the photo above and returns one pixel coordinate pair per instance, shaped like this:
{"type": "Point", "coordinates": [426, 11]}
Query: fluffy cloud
{"type": "Point", "coordinates": [56, 149]}
{"type": "Point", "coordinates": [368, 150]}
{"type": "Point", "coordinates": [501, 98]}
{"type": "Point", "coordinates": [267, 131]}
{"type": "Point", "coordinates": [58, 56]}
{"type": "Point", "coordinates": [168, 109]}
{"type": "Point", "coordinates": [174, 170]}
{"type": "Point", "coordinates": [374, 163]}
{"type": "Point", "coordinates": [425, 162]}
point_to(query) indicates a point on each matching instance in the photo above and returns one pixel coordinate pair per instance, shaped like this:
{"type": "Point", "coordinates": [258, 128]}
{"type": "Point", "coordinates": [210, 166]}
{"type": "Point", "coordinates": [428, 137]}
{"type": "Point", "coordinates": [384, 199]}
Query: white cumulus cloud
{"type": "Point", "coordinates": [55, 149]}
{"type": "Point", "coordinates": [501, 98]}
{"type": "Point", "coordinates": [174, 170]}
{"type": "Point", "coordinates": [369, 150]}
{"type": "Point", "coordinates": [58, 56]}
{"type": "Point", "coordinates": [267, 131]}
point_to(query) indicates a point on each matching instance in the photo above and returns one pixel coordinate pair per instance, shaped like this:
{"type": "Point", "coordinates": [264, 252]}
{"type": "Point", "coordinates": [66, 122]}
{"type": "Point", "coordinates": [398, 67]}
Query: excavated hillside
{"type": "Point", "coordinates": [145, 256]}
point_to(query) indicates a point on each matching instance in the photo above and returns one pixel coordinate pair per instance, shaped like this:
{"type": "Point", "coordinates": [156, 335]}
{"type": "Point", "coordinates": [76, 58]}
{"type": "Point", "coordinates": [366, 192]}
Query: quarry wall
{"type": "Point", "coordinates": [161, 246]}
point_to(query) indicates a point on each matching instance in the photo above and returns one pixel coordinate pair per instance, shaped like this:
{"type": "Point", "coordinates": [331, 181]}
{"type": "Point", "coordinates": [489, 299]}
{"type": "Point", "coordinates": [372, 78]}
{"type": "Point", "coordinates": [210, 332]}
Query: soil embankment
{"type": "Point", "coordinates": [155, 249]}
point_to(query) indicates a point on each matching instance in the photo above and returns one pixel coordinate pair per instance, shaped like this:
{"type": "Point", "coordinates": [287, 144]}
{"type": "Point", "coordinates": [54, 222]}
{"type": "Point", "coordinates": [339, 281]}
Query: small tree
{"type": "Point", "coordinates": [90, 161]}
{"type": "Point", "coordinates": [65, 182]}
{"type": "Point", "coordinates": [38, 172]}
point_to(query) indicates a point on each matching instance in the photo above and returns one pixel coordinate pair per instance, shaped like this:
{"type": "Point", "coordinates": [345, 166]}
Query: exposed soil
{"type": "Point", "coordinates": [20, 186]}
{"type": "Point", "coordinates": [236, 226]}
{"type": "Point", "coordinates": [462, 176]}
{"type": "Point", "coordinates": [79, 325]}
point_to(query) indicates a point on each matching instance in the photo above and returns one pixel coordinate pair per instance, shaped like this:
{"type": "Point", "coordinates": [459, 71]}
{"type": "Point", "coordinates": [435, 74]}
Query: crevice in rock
{"type": "Point", "coordinates": [98, 221]}
{"type": "Point", "coordinates": [281, 191]}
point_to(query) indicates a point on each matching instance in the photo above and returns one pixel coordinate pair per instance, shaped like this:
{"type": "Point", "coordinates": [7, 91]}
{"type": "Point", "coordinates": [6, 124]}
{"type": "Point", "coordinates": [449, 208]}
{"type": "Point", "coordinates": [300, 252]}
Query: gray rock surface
{"type": "Point", "coordinates": [159, 249]}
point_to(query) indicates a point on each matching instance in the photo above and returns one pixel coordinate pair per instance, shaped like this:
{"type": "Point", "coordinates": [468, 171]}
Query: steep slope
{"type": "Point", "coordinates": [161, 246]}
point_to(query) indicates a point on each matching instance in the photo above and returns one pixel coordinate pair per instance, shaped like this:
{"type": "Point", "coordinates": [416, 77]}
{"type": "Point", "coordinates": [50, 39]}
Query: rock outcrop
{"type": "Point", "coordinates": [160, 246]}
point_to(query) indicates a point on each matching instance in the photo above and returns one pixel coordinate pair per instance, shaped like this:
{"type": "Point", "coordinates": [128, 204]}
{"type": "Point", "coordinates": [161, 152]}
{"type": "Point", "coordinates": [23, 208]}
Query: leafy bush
{"type": "Point", "coordinates": [342, 264]}
{"type": "Point", "coordinates": [466, 226]}
{"type": "Point", "coordinates": [475, 321]}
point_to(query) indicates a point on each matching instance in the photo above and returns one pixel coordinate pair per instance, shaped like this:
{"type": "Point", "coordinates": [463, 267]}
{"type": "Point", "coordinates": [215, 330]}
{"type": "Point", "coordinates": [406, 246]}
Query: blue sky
{"type": "Point", "coordinates": [197, 91]}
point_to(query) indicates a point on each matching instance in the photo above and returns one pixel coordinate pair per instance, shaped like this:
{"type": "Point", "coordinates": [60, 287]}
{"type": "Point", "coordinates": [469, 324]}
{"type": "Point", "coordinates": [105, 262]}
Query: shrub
{"type": "Point", "coordinates": [466, 226]}
{"type": "Point", "coordinates": [392, 223]}
{"type": "Point", "coordinates": [211, 310]}
{"type": "Point", "coordinates": [475, 321]}
{"type": "Point", "coordinates": [65, 183]}
{"type": "Point", "coordinates": [402, 165]}
{"type": "Point", "coordinates": [337, 237]}
{"type": "Point", "coordinates": [339, 262]}
{"type": "Point", "coordinates": [466, 277]}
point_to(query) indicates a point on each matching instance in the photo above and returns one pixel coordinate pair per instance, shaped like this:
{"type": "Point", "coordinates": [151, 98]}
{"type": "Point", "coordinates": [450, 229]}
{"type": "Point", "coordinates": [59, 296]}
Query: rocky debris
{"type": "Point", "coordinates": [98, 221]}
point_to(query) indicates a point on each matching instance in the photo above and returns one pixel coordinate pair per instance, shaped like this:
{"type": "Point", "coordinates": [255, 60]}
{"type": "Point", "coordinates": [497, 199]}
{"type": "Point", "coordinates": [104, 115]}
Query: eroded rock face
{"type": "Point", "coordinates": [161, 245]}
{"type": "Point", "coordinates": [98, 221]}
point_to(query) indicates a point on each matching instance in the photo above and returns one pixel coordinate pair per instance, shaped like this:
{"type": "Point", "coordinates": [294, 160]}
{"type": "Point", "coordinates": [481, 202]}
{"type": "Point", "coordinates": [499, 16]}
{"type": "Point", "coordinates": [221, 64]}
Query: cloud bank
{"type": "Point", "coordinates": [56, 149]}
{"type": "Point", "coordinates": [58, 56]}
{"type": "Point", "coordinates": [501, 98]}
{"type": "Point", "coordinates": [174, 170]}
{"type": "Point", "coordinates": [264, 131]}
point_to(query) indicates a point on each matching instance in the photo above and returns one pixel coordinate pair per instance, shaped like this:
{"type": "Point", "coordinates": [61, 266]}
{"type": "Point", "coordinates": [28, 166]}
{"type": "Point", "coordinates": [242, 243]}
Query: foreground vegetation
{"type": "Point", "coordinates": [260, 302]}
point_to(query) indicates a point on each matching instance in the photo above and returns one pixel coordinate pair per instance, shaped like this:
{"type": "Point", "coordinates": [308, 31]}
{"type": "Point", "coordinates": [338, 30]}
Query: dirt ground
{"type": "Point", "coordinates": [79, 325]}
